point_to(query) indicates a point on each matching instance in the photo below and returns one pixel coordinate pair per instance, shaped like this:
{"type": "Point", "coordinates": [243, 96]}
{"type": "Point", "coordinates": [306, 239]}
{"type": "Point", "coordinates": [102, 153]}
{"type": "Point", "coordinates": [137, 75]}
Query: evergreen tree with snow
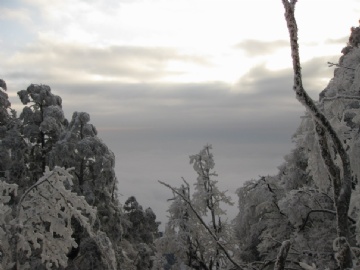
{"type": "Point", "coordinates": [195, 242]}
{"type": "Point", "coordinates": [141, 230]}
{"type": "Point", "coordinates": [41, 223]}
{"type": "Point", "coordinates": [42, 122]}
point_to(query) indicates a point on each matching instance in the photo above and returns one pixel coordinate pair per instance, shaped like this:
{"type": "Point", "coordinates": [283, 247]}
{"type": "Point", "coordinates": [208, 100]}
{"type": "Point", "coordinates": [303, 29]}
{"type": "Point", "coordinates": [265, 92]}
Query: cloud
{"type": "Point", "coordinates": [16, 25]}
{"type": "Point", "coordinates": [341, 41]}
{"type": "Point", "coordinates": [18, 15]}
{"type": "Point", "coordinates": [49, 61]}
{"type": "Point", "coordinates": [161, 112]}
{"type": "Point", "coordinates": [208, 111]}
{"type": "Point", "coordinates": [256, 47]}
{"type": "Point", "coordinates": [316, 75]}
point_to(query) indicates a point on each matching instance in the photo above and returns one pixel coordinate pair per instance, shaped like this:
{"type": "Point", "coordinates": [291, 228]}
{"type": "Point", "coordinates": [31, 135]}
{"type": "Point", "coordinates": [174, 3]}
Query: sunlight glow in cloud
{"type": "Point", "coordinates": [204, 29]}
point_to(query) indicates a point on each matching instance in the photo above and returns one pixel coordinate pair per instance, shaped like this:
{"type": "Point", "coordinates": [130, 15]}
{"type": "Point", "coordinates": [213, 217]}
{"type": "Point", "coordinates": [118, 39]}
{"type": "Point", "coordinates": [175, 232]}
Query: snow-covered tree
{"type": "Point", "coordinates": [78, 146]}
{"type": "Point", "coordinates": [42, 123]}
{"type": "Point", "coordinates": [339, 172]}
{"type": "Point", "coordinates": [41, 137]}
{"type": "Point", "coordinates": [13, 148]}
{"type": "Point", "coordinates": [272, 211]}
{"type": "Point", "coordinates": [140, 231]}
{"type": "Point", "coordinates": [4, 121]}
{"type": "Point", "coordinates": [261, 226]}
{"type": "Point", "coordinates": [36, 231]}
{"type": "Point", "coordinates": [4, 103]}
{"type": "Point", "coordinates": [196, 242]}
{"type": "Point", "coordinates": [182, 233]}
{"type": "Point", "coordinates": [314, 186]}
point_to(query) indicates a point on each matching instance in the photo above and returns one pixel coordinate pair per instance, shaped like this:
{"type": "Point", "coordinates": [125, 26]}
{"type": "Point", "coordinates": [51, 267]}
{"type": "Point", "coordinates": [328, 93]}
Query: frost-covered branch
{"type": "Point", "coordinates": [43, 179]}
{"type": "Point", "coordinates": [44, 215]}
{"type": "Point", "coordinates": [302, 227]}
{"type": "Point", "coordinates": [341, 97]}
{"type": "Point", "coordinates": [203, 223]}
{"type": "Point", "coordinates": [281, 257]}
{"type": "Point", "coordinates": [338, 65]}
{"type": "Point", "coordinates": [342, 249]}
{"type": "Point", "coordinates": [301, 94]}
{"type": "Point", "coordinates": [342, 185]}
{"type": "Point", "coordinates": [274, 202]}
{"type": "Point", "coordinates": [307, 267]}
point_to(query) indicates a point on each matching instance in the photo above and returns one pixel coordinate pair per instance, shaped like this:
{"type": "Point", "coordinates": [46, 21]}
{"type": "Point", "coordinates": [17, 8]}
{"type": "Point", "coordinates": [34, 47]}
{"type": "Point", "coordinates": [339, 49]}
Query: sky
{"type": "Point", "coordinates": [162, 78]}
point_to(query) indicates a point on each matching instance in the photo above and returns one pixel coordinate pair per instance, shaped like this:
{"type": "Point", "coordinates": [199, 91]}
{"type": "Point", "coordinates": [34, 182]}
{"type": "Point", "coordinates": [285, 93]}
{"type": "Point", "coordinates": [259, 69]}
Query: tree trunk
{"type": "Point", "coordinates": [341, 181]}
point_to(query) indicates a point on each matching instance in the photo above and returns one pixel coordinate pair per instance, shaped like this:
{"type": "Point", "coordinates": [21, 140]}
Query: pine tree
{"type": "Point", "coordinates": [13, 147]}
{"type": "Point", "coordinates": [42, 123]}
{"type": "Point", "coordinates": [141, 231]}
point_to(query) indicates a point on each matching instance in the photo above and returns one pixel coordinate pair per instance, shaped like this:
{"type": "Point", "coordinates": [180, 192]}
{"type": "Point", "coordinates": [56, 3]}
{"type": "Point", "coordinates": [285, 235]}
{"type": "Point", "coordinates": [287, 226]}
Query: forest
{"type": "Point", "coordinates": [60, 206]}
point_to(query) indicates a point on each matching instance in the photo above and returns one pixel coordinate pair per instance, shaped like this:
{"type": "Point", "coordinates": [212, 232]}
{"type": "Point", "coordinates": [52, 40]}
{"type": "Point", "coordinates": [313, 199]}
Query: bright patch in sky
{"type": "Point", "coordinates": [206, 30]}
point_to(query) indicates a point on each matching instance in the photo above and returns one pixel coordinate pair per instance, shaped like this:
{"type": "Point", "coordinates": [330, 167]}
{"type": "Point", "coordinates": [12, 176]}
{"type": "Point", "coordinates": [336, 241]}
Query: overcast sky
{"type": "Point", "coordinates": [162, 78]}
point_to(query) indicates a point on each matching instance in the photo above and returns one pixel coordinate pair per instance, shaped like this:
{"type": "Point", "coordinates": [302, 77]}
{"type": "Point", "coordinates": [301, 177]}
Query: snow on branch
{"type": "Point", "coordinates": [302, 227]}
{"type": "Point", "coordinates": [338, 65]}
{"type": "Point", "coordinates": [308, 267]}
{"type": "Point", "coordinates": [43, 219]}
{"type": "Point", "coordinates": [282, 255]}
{"type": "Point", "coordinates": [203, 223]}
{"type": "Point", "coordinates": [342, 179]}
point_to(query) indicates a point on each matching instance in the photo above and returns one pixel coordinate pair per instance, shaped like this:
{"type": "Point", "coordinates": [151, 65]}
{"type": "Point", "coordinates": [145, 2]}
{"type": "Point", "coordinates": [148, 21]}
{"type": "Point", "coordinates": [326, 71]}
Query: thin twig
{"type": "Point", "coordinates": [338, 65]}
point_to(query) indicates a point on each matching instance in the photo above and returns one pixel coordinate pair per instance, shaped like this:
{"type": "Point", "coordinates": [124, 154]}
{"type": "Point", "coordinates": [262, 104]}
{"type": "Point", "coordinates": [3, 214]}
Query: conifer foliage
{"type": "Point", "coordinates": [42, 121]}
{"type": "Point", "coordinates": [58, 192]}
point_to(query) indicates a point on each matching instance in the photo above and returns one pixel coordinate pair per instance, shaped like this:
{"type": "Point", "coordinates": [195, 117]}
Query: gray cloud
{"type": "Point", "coordinates": [341, 41]}
{"type": "Point", "coordinates": [47, 61]}
{"type": "Point", "coordinates": [255, 47]}
{"type": "Point", "coordinates": [178, 108]}
{"type": "Point", "coordinates": [17, 15]}
{"type": "Point", "coordinates": [316, 74]}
